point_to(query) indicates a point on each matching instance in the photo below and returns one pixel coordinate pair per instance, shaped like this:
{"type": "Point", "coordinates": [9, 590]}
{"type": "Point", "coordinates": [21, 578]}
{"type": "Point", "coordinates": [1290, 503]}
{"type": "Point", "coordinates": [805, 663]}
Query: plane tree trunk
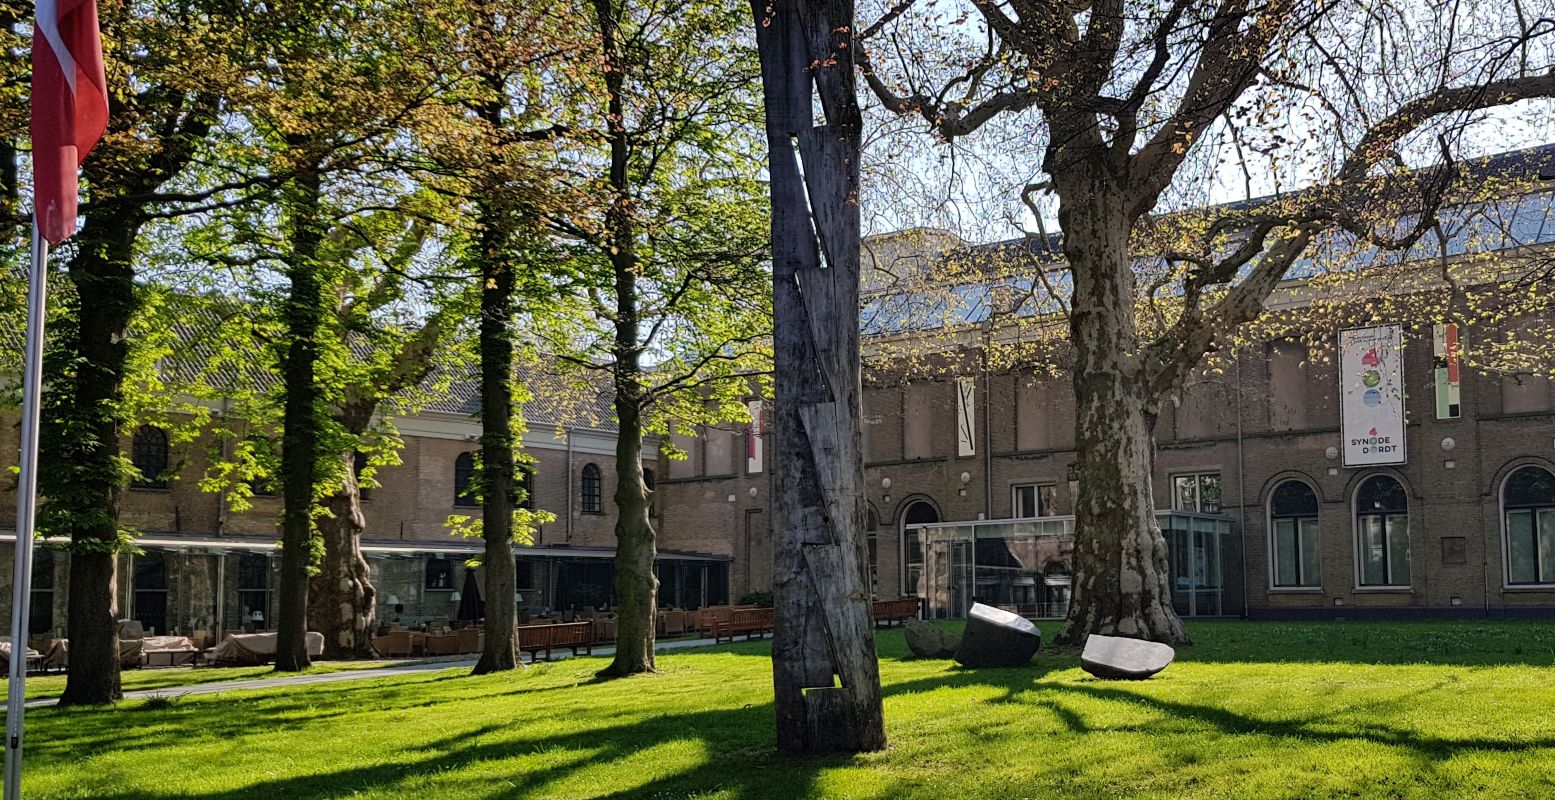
{"type": "Point", "coordinates": [1124, 588]}
{"type": "Point", "coordinates": [341, 597]}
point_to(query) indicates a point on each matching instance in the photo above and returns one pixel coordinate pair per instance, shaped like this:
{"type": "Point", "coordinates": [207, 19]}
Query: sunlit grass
{"type": "Point", "coordinates": [42, 686]}
{"type": "Point", "coordinates": [1406, 710]}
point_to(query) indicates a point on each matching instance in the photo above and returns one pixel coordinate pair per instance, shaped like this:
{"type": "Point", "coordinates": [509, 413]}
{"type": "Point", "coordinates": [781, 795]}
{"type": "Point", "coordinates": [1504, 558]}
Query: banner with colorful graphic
{"type": "Point", "coordinates": [753, 434]}
{"type": "Point", "coordinates": [1371, 394]}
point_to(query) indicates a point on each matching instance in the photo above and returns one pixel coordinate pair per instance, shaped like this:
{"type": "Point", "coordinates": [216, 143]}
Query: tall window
{"type": "Point", "coordinates": [150, 586]}
{"type": "Point", "coordinates": [464, 479]}
{"type": "Point", "coordinates": [40, 619]}
{"type": "Point", "coordinates": [1382, 531]}
{"type": "Point", "coordinates": [254, 587]}
{"type": "Point", "coordinates": [358, 465]}
{"type": "Point", "coordinates": [1197, 492]}
{"type": "Point", "coordinates": [440, 573]}
{"type": "Point", "coordinates": [525, 484]}
{"type": "Point", "coordinates": [872, 539]}
{"type": "Point", "coordinates": [1528, 502]}
{"type": "Point", "coordinates": [1293, 525]}
{"type": "Point", "coordinates": [1034, 500]}
{"type": "Point", "coordinates": [148, 452]}
{"type": "Point", "coordinates": [590, 490]}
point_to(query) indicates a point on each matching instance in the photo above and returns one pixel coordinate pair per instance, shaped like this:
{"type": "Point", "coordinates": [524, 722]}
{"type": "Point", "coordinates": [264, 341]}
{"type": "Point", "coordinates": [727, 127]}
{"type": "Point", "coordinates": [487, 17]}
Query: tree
{"type": "Point", "coordinates": [334, 92]}
{"type": "Point", "coordinates": [488, 148]}
{"type": "Point", "coordinates": [825, 672]}
{"type": "Point", "coordinates": [168, 68]}
{"type": "Point", "coordinates": [1124, 94]}
{"type": "Point", "coordinates": [670, 309]}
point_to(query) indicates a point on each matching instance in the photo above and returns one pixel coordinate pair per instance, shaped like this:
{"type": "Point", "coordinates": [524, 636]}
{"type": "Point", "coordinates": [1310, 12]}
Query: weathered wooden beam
{"type": "Point", "coordinates": [826, 678]}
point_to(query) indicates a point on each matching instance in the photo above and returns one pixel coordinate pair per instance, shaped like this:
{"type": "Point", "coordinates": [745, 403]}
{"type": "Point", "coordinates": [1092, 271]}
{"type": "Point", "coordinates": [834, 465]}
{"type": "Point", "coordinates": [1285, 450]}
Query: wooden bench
{"type": "Point", "coordinates": [899, 610]}
{"type": "Point", "coordinates": [535, 639]}
{"type": "Point", "coordinates": [749, 621]}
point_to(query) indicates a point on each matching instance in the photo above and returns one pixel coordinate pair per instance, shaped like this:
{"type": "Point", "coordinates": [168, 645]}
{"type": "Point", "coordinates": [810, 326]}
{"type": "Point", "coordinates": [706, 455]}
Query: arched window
{"type": "Point", "coordinates": [1293, 528]}
{"type": "Point", "coordinates": [464, 481]}
{"type": "Point", "coordinates": [1528, 503]}
{"type": "Point", "coordinates": [525, 485]}
{"type": "Point", "coordinates": [148, 452]}
{"type": "Point", "coordinates": [919, 513]}
{"type": "Point", "coordinates": [590, 490]}
{"type": "Point", "coordinates": [648, 482]}
{"type": "Point", "coordinates": [1382, 532]}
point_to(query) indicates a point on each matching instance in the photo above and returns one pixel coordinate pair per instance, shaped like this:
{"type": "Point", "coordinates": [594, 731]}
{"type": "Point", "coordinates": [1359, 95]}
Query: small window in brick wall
{"type": "Point", "coordinates": [440, 573]}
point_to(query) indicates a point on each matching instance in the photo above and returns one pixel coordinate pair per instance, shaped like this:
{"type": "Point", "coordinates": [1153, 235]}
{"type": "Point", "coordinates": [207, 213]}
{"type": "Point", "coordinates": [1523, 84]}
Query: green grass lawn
{"type": "Point", "coordinates": [1408, 710]}
{"type": "Point", "coordinates": [41, 686]}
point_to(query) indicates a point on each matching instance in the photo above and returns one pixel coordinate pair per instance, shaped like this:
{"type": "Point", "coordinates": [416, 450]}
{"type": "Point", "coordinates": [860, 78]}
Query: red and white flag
{"type": "Point", "coordinates": [69, 108]}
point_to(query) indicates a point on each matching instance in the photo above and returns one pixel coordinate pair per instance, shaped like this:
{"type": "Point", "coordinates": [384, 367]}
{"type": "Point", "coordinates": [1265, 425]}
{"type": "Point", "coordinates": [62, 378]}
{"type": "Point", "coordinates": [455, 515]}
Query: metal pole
{"type": "Point", "coordinates": [26, 514]}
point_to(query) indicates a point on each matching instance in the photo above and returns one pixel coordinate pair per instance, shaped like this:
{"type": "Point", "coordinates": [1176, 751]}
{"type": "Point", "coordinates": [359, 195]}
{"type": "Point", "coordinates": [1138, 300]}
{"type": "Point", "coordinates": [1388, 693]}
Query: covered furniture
{"type": "Point", "coordinates": [34, 658]}
{"type": "Point", "coordinates": [168, 651]}
{"type": "Point", "coordinates": [253, 649]}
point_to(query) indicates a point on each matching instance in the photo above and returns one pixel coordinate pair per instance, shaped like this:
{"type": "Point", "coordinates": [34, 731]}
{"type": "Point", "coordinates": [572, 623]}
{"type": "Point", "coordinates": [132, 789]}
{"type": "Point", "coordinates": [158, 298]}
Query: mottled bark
{"type": "Point", "coordinates": [300, 420]}
{"type": "Point", "coordinates": [825, 672]}
{"type": "Point", "coordinates": [1122, 585]}
{"type": "Point", "coordinates": [341, 598]}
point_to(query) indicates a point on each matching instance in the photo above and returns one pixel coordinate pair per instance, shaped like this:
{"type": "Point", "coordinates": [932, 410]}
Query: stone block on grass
{"type": "Point", "coordinates": [1118, 658]}
{"type": "Point", "coordinates": [997, 638]}
{"type": "Point", "coordinates": [927, 640]}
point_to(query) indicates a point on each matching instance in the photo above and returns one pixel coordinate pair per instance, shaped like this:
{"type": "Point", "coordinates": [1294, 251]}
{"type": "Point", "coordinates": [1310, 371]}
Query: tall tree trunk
{"type": "Point", "coordinates": [341, 599]}
{"type": "Point", "coordinates": [1122, 585]}
{"type": "Point", "coordinates": [300, 439]}
{"type": "Point", "coordinates": [496, 346]}
{"type": "Point", "coordinates": [637, 588]}
{"type": "Point", "coordinates": [87, 457]}
{"type": "Point", "coordinates": [826, 676]}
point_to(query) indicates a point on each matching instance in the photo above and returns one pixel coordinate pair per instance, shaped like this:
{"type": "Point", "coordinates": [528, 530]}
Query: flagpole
{"type": "Point", "coordinates": [26, 514]}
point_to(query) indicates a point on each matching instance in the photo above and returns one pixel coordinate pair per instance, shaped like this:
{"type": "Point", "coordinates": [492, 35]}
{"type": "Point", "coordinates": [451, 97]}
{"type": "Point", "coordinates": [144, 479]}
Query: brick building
{"type": "Point", "coordinates": [968, 477]}
{"type": "Point", "coordinates": [204, 567]}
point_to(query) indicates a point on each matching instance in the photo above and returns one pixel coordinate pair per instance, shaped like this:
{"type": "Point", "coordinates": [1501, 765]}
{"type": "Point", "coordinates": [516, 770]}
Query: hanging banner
{"type": "Point", "coordinates": [1445, 358]}
{"type": "Point", "coordinates": [1371, 394]}
{"type": "Point", "coordinates": [966, 416]}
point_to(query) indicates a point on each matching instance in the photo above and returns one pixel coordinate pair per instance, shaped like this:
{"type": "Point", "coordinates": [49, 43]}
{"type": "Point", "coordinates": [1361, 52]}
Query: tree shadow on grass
{"type": "Point", "coordinates": [740, 760]}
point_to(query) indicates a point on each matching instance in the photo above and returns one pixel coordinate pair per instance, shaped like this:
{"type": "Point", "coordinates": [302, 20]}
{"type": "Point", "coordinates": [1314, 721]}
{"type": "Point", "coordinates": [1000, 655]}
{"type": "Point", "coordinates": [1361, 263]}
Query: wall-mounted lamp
{"type": "Point", "coordinates": [753, 491]}
{"type": "Point", "coordinates": [885, 483]}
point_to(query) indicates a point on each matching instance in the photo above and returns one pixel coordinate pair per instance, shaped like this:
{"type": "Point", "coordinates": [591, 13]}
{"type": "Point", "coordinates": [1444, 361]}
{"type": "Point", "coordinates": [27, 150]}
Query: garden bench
{"type": "Point", "coordinates": [899, 610]}
{"type": "Point", "coordinates": [749, 621]}
{"type": "Point", "coordinates": [534, 639]}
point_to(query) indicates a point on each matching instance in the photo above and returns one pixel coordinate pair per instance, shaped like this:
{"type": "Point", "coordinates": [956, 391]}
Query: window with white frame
{"type": "Point", "coordinates": [1199, 491]}
{"type": "Point", "coordinates": [1294, 533]}
{"type": "Point", "coordinates": [1034, 500]}
{"type": "Point", "coordinates": [1382, 532]}
{"type": "Point", "coordinates": [1528, 505]}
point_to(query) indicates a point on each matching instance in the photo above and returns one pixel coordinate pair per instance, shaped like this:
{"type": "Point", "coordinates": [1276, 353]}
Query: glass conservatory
{"type": "Point", "coordinates": [1024, 565]}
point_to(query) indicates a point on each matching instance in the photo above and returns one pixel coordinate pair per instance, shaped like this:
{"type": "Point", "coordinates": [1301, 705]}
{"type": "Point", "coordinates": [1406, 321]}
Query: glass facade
{"type": "Point", "coordinates": [1024, 565]}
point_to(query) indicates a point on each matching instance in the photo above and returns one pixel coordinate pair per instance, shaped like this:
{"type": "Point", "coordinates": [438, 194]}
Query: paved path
{"type": "Point", "coordinates": [400, 668]}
